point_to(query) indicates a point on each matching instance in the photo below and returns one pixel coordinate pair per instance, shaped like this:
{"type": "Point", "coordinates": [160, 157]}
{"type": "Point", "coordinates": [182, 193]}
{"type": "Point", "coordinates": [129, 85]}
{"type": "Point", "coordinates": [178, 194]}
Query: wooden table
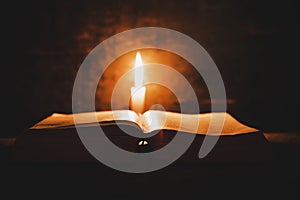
{"type": "Point", "coordinates": [276, 178]}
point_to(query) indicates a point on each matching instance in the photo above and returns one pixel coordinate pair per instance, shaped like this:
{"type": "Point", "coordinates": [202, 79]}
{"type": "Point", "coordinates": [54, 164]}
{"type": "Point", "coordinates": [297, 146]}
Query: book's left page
{"type": "Point", "coordinates": [57, 120]}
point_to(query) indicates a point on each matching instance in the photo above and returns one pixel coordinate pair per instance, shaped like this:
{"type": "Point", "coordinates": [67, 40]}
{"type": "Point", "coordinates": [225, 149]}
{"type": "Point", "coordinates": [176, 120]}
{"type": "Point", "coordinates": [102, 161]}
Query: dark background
{"type": "Point", "coordinates": [254, 44]}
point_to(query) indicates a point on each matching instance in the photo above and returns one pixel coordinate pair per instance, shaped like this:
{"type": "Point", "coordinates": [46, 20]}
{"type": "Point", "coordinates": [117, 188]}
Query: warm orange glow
{"type": "Point", "coordinates": [138, 91]}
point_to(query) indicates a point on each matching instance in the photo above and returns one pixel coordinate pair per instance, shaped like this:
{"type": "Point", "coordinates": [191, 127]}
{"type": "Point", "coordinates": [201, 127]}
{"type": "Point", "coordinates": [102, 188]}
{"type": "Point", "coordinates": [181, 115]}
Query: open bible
{"type": "Point", "coordinates": [55, 138]}
{"type": "Point", "coordinates": [220, 123]}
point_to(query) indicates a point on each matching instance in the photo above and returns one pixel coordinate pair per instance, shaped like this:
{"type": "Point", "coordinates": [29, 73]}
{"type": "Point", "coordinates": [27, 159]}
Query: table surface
{"type": "Point", "coordinates": [281, 175]}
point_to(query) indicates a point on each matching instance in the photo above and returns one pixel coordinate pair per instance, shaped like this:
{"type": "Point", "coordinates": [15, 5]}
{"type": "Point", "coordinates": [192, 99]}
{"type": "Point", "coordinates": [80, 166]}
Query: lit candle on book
{"type": "Point", "coordinates": [138, 91]}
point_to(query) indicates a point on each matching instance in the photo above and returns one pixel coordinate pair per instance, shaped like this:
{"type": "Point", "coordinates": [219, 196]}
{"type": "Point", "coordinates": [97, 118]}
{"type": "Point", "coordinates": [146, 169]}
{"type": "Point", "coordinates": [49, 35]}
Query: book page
{"type": "Point", "coordinates": [57, 120]}
{"type": "Point", "coordinates": [209, 123]}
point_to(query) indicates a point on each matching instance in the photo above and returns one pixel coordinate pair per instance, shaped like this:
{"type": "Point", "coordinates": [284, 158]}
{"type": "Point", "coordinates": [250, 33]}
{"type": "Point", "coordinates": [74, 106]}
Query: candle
{"type": "Point", "coordinates": [138, 91]}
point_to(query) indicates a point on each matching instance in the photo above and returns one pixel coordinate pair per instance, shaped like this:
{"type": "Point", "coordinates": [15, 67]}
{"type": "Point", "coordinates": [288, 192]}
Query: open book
{"type": "Point", "coordinates": [55, 137]}
{"type": "Point", "coordinates": [208, 123]}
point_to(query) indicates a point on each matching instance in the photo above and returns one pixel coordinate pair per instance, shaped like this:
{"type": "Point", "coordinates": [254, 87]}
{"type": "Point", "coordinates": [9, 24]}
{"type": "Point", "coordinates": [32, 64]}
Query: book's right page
{"type": "Point", "coordinates": [218, 123]}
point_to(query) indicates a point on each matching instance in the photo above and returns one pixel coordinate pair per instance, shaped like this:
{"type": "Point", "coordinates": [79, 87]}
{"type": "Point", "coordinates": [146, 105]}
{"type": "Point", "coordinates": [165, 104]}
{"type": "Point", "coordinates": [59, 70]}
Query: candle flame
{"type": "Point", "coordinates": [139, 71]}
{"type": "Point", "coordinates": [138, 90]}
